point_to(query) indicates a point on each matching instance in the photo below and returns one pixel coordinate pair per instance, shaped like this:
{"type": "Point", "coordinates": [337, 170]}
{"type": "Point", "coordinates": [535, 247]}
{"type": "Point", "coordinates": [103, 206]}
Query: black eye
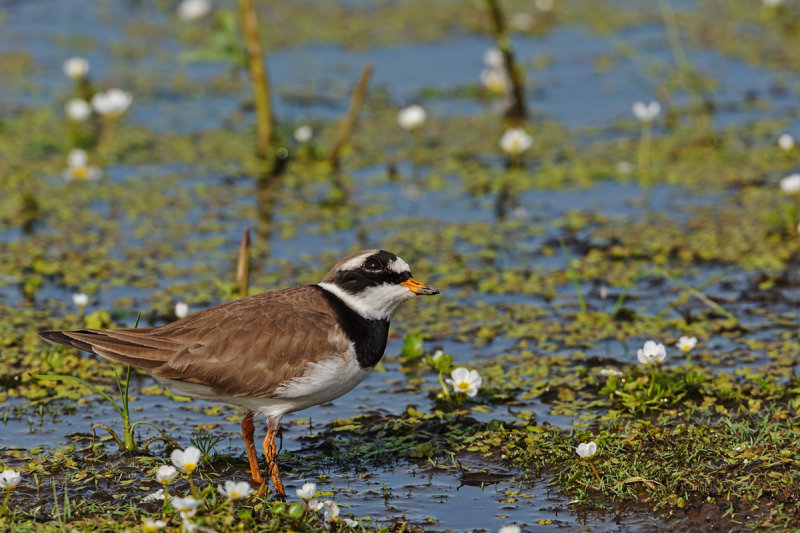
{"type": "Point", "coordinates": [373, 264]}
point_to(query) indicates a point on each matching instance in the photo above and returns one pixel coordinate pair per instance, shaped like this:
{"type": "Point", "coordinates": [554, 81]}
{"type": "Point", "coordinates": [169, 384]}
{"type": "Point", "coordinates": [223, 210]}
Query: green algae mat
{"type": "Point", "coordinates": [619, 266]}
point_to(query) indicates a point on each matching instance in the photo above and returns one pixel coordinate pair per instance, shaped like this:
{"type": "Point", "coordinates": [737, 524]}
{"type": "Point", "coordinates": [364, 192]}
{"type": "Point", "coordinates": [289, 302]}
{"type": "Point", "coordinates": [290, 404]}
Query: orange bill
{"type": "Point", "coordinates": [419, 288]}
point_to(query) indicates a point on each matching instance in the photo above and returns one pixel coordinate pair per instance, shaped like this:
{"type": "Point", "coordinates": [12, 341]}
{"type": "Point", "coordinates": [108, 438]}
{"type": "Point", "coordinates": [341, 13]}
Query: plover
{"type": "Point", "coordinates": [272, 353]}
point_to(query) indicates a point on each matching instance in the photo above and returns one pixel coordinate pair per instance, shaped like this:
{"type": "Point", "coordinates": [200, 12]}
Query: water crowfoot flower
{"type": "Point", "coordinates": [78, 167]}
{"type": "Point", "coordinates": [515, 141]}
{"type": "Point", "coordinates": [494, 80]}
{"type": "Point", "coordinates": [9, 479]}
{"type": "Point", "coordinates": [166, 474]}
{"type": "Point", "coordinates": [493, 58]}
{"type": "Point", "coordinates": [113, 102]}
{"type": "Point", "coordinates": [646, 112]}
{"type": "Point", "coordinates": [651, 353]}
{"type": "Point", "coordinates": [181, 309]}
{"type": "Point", "coordinates": [186, 461]}
{"type": "Point", "coordinates": [509, 529]}
{"type": "Point", "coordinates": [80, 299]}
{"type": "Point", "coordinates": [151, 526]}
{"type": "Point", "coordinates": [189, 10]}
{"type": "Point", "coordinates": [790, 184]}
{"type": "Point", "coordinates": [235, 490]}
{"type": "Point", "coordinates": [76, 67]}
{"type": "Point", "coordinates": [78, 110]}
{"type": "Point", "coordinates": [307, 491]}
{"type": "Point", "coordinates": [411, 117]}
{"type": "Point", "coordinates": [465, 381]}
{"type": "Point", "coordinates": [330, 513]}
{"type": "Point", "coordinates": [786, 142]}
{"type": "Point", "coordinates": [686, 343]}
{"type": "Point", "coordinates": [186, 506]}
{"type": "Point", "coordinates": [303, 134]}
{"type": "Point", "coordinates": [585, 451]}
{"type": "Point", "coordinates": [610, 372]}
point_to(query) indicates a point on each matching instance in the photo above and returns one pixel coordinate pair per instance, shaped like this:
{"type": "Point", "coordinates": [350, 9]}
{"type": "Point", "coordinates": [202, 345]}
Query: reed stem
{"type": "Point", "coordinates": [356, 102]}
{"type": "Point", "coordinates": [258, 77]}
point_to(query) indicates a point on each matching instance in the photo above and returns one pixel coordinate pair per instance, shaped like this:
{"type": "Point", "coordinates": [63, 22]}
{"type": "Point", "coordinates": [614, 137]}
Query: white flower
{"type": "Point", "coordinates": [303, 134]}
{"type": "Point", "coordinates": [9, 479]}
{"type": "Point", "coordinates": [772, 3]}
{"type": "Point", "coordinates": [316, 505]}
{"type": "Point", "coordinates": [331, 513]}
{"type": "Point", "coordinates": [466, 381]}
{"type": "Point", "coordinates": [185, 505]}
{"type": "Point", "coordinates": [76, 67]}
{"type": "Point", "coordinates": [646, 112]}
{"type": "Point", "coordinates": [186, 460]}
{"type": "Point", "coordinates": [791, 184]}
{"type": "Point", "coordinates": [515, 141]}
{"type": "Point", "coordinates": [544, 5]}
{"type": "Point", "coordinates": [191, 527]}
{"type": "Point", "coordinates": [686, 343]}
{"type": "Point", "coordinates": [652, 352]}
{"type": "Point", "coordinates": [786, 142]}
{"type": "Point", "coordinates": [307, 491]}
{"type": "Point", "coordinates": [78, 167]}
{"type": "Point", "coordinates": [166, 474]}
{"type": "Point", "coordinates": [78, 109]}
{"type": "Point", "coordinates": [151, 526]}
{"type": "Point", "coordinates": [350, 522]}
{"type": "Point", "coordinates": [494, 80]}
{"type": "Point", "coordinates": [586, 449]}
{"type": "Point", "coordinates": [610, 372]}
{"type": "Point", "coordinates": [80, 299]}
{"type": "Point", "coordinates": [624, 167]}
{"type": "Point", "coordinates": [113, 102]}
{"type": "Point", "coordinates": [156, 496]}
{"type": "Point", "coordinates": [235, 490]}
{"type": "Point", "coordinates": [509, 529]}
{"type": "Point", "coordinates": [412, 117]}
{"type": "Point", "coordinates": [189, 10]}
{"type": "Point", "coordinates": [181, 309]}
{"type": "Point", "coordinates": [493, 58]}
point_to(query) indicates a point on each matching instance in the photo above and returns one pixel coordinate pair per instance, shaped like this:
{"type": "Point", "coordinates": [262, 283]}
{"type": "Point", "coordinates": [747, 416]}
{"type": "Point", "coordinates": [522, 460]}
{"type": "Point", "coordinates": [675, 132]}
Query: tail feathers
{"type": "Point", "coordinates": [105, 344]}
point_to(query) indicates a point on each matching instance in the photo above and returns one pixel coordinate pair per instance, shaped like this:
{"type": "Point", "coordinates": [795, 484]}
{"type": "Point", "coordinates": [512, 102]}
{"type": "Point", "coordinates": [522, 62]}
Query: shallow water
{"type": "Point", "coordinates": [569, 89]}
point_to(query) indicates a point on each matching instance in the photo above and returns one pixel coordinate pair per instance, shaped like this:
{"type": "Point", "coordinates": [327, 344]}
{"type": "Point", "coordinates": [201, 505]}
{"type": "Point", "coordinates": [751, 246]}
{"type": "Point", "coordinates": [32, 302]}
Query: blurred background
{"type": "Point", "coordinates": [536, 159]}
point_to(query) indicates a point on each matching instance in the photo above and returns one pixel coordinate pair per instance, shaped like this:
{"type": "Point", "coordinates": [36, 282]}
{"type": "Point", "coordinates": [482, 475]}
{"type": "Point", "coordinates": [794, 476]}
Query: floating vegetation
{"type": "Point", "coordinates": [618, 337]}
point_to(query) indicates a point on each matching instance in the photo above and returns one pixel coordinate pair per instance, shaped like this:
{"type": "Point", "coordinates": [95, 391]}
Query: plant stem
{"type": "Point", "coordinates": [5, 501]}
{"type": "Point", "coordinates": [644, 155]}
{"type": "Point", "coordinates": [166, 501]}
{"type": "Point", "coordinates": [444, 387]}
{"type": "Point", "coordinates": [191, 485]}
{"type": "Point", "coordinates": [652, 379]}
{"type": "Point", "coordinates": [258, 76]}
{"type": "Point", "coordinates": [517, 111]}
{"type": "Point", "coordinates": [356, 102]}
{"type": "Point", "coordinates": [596, 475]}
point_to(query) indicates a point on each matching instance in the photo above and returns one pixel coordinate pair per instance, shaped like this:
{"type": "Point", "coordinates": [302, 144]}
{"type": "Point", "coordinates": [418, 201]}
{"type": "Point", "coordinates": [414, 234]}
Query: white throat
{"type": "Point", "coordinates": [375, 303]}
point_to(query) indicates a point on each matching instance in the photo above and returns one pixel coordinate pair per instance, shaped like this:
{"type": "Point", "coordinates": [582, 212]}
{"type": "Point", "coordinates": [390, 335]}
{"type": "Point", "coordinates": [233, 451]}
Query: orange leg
{"type": "Point", "coordinates": [271, 453]}
{"type": "Point", "coordinates": [252, 456]}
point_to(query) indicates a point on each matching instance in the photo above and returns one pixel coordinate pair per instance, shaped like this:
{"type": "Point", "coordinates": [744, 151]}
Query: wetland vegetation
{"type": "Point", "coordinates": [643, 193]}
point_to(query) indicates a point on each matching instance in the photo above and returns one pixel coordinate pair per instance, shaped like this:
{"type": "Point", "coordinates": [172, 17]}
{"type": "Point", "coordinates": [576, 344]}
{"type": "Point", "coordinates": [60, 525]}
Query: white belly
{"type": "Point", "coordinates": [320, 383]}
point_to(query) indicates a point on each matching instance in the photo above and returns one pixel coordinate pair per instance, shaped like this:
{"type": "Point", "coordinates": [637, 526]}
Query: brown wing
{"type": "Point", "coordinates": [242, 348]}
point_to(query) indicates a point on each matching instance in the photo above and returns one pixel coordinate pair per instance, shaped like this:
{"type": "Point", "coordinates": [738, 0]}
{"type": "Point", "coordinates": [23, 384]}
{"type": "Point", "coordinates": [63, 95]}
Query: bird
{"type": "Point", "coordinates": [271, 353]}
